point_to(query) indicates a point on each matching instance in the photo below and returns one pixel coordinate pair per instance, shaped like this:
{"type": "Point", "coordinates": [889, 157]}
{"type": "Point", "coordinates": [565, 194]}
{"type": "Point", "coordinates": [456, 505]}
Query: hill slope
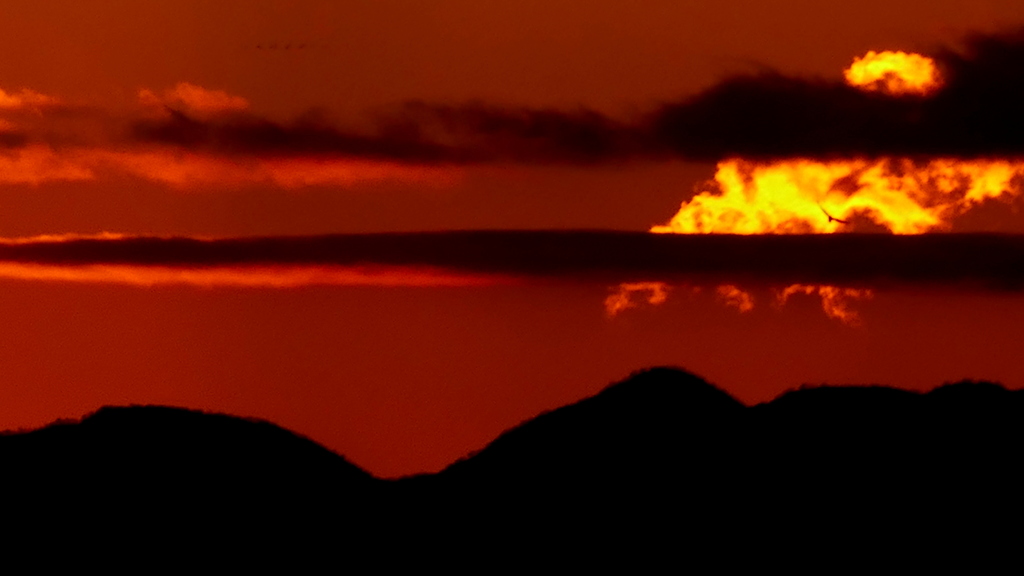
{"type": "Point", "coordinates": [663, 465]}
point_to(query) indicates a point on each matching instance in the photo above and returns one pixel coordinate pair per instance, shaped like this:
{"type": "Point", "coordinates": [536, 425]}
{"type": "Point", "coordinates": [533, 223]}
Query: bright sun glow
{"type": "Point", "coordinates": [895, 73]}
{"type": "Point", "coordinates": [806, 196]}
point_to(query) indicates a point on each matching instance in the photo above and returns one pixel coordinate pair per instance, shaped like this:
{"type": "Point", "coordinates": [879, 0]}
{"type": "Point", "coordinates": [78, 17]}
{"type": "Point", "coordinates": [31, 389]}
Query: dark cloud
{"type": "Point", "coordinates": [771, 115]}
{"type": "Point", "coordinates": [978, 112]}
{"type": "Point", "coordinates": [485, 132]}
{"type": "Point", "coordinates": [242, 133]}
{"type": "Point", "coordinates": [13, 139]}
{"type": "Point", "coordinates": [850, 260]}
{"type": "Point", "coordinates": [414, 132]}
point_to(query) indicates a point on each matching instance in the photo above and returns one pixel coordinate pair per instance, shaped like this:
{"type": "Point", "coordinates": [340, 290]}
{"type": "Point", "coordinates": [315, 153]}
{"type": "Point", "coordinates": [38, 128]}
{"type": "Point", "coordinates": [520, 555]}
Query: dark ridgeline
{"type": "Point", "coordinates": [662, 469]}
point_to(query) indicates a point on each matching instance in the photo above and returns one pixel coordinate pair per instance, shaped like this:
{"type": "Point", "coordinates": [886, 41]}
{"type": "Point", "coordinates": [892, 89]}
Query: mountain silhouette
{"type": "Point", "coordinates": [662, 470]}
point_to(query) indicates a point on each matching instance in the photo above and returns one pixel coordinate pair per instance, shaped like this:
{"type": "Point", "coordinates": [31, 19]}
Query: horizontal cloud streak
{"type": "Point", "coordinates": [190, 135]}
{"type": "Point", "coordinates": [38, 163]}
{"type": "Point", "coordinates": [194, 99]}
{"type": "Point", "coordinates": [44, 140]}
{"type": "Point", "coordinates": [189, 168]}
{"type": "Point", "coordinates": [977, 112]}
{"type": "Point", "coordinates": [265, 276]}
{"type": "Point", "coordinates": [844, 260]}
{"type": "Point", "coordinates": [26, 99]}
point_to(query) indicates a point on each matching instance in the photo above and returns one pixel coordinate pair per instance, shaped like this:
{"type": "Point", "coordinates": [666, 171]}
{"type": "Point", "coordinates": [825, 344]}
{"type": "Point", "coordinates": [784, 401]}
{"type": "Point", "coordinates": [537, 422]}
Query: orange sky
{"type": "Point", "coordinates": [405, 379]}
{"type": "Point", "coordinates": [357, 59]}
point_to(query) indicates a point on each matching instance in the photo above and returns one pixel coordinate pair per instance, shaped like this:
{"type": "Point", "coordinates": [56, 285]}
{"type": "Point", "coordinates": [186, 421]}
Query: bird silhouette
{"type": "Point", "coordinates": [832, 218]}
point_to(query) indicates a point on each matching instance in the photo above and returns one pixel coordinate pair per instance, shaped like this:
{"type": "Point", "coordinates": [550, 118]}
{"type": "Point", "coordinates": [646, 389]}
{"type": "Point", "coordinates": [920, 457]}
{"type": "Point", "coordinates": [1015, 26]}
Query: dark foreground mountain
{"type": "Point", "coordinates": [662, 469]}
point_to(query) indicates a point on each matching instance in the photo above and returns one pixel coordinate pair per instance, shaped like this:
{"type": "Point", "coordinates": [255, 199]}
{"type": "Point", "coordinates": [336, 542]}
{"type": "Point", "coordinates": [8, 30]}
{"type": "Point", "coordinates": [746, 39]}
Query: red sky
{"type": "Point", "coordinates": [407, 379]}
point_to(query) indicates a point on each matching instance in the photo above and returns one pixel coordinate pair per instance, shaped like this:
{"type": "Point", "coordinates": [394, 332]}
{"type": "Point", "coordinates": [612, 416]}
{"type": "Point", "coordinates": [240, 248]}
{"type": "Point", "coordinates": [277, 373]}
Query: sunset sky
{"type": "Point", "coordinates": [256, 118]}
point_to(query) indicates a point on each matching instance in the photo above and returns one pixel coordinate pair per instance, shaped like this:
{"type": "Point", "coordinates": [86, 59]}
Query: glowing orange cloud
{"type": "Point", "coordinates": [734, 297]}
{"type": "Point", "coordinates": [245, 277]}
{"type": "Point", "coordinates": [25, 99]}
{"type": "Point", "coordinates": [802, 196]}
{"type": "Point", "coordinates": [182, 169]}
{"type": "Point", "coordinates": [806, 196]}
{"type": "Point", "coordinates": [39, 163]}
{"type": "Point", "coordinates": [835, 301]}
{"type": "Point", "coordinates": [654, 293]}
{"type": "Point", "coordinates": [232, 275]}
{"type": "Point", "coordinates": [94, 155]}
{"type": "Point", "coordinates": [67, 237]}
{"type": "Point", "coordinates": [895, 73]}
{"type": "Point", "coordinates": [194, 99]}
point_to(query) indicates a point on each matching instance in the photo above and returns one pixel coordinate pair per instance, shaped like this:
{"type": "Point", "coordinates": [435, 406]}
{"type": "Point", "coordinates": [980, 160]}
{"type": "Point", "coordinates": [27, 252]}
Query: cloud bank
{"type": "Point", "coordinates": [188, 134]}
{"type": "Point", "coordinates": [976, 113]}
{"type": "Point", "coordinates": [843, 260]}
